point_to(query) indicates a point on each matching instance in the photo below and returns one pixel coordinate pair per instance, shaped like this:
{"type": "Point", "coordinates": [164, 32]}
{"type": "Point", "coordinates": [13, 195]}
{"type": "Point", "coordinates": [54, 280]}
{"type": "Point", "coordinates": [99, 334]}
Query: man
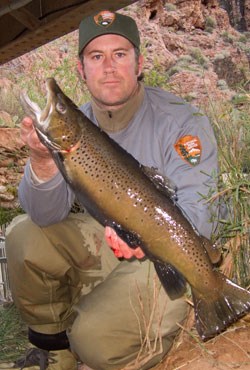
{"type": "Point", "coordinates": [78, 299]}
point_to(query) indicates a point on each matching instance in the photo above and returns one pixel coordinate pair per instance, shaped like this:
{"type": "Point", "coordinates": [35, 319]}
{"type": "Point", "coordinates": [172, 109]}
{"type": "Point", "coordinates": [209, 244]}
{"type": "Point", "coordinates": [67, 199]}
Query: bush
{"type": "Point", "coordinates": [210, 24]}
{"type": "Point", "coordinates": [197, 55]}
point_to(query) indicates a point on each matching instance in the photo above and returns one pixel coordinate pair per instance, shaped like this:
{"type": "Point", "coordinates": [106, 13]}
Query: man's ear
{"type": "Point", "coordinates": [81, 69]}
{"type": "Point", "coordinates": [140, 64]}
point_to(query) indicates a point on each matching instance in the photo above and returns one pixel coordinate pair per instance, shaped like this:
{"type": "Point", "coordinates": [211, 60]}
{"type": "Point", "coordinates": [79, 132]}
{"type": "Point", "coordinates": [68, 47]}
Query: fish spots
{"type": "Point", "coordinates": [117, 195]}
{"type": "Point", "coordinates": [141, 205]}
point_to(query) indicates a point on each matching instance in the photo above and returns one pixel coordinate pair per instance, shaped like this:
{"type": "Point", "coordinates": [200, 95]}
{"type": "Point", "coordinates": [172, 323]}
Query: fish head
{"type": "Point", "coordinates": [58, 125]}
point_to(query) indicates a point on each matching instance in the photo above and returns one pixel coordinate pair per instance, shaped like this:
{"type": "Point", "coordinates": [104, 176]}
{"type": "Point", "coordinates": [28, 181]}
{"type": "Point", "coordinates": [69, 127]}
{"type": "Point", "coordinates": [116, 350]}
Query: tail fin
{"type": "Point", "coordinates": [220, 308]}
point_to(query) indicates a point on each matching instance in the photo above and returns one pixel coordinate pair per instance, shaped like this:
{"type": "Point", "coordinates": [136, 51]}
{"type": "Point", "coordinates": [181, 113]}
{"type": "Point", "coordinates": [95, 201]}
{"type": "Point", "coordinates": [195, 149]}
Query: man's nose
{"type": "Point", "coordinates": [109, 64]}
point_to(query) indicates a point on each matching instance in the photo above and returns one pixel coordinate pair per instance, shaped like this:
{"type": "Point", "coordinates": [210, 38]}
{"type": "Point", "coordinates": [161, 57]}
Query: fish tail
{"type": "Point", "coordinates": [219, 309]}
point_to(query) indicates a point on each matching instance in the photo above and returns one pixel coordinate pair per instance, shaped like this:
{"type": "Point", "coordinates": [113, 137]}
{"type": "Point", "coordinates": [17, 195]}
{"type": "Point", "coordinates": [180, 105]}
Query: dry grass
{"type": "Point", "coordinates": [150, 347]}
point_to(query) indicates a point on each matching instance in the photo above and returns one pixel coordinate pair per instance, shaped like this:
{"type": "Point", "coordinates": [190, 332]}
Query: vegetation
{"type": "Point", "coordinates": [232, 128]}
{"type": "Point", "coordinates": [13, 336]}
{"type": "Point", "coordinates": [228, 37]}
{"type": "Point", "coordinates": [6, 215]}
{"type": "Point", "coordinates": [210, 24]}
{"type": "Point", "coordinates": [170, 7]}
{"type": "Point", "coordinates": [198, 56]}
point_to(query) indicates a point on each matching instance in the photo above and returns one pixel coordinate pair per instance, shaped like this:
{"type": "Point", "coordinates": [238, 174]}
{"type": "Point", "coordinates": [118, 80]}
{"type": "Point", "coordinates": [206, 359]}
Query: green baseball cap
{"type": "Point", "coordinates": [107, 22]}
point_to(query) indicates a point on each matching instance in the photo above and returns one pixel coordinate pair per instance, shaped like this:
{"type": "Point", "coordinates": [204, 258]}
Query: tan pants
{"type": "Point", "coordinates": [65, 277]}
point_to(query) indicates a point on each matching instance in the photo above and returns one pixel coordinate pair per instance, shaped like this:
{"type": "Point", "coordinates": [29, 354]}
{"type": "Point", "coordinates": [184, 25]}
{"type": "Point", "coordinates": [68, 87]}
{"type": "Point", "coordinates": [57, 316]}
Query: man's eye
{"type": "Point", "coordinates": [97, 57]}
{"type": "Point", "coordinates": [120, 55]}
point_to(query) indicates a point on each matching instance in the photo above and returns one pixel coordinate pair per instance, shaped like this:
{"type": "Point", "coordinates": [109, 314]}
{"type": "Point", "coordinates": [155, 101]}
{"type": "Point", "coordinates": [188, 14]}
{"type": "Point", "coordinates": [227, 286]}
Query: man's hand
{"type": "Point", "coordinates": [119, 247]}
{"type": "Point", "coordinates": [41, 161]}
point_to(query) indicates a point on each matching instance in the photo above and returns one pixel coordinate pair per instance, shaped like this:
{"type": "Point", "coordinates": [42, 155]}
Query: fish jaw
{"type": "Point", "coordinates": [61, 119]}
{"type": "Point", "coordinates": [31, 108]}
{"type": "Point", "coordinates": [57, 125]}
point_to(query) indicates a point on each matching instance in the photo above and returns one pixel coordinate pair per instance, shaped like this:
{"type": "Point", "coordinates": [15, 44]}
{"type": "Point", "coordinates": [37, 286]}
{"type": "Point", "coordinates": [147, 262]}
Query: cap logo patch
{"type": "Point", "coordinates": [189, 149]}
{"type": "Point", "coordinates": [104, 18]}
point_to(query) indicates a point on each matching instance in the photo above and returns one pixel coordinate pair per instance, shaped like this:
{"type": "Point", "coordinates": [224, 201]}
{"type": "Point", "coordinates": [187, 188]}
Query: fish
{"type": "Point", "coordinates": [139, 204]}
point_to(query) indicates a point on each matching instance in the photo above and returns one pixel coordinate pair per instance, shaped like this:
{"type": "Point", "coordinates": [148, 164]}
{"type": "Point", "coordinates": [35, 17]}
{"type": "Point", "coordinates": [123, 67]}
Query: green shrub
{"type": "Point", "coordinates": [198, 56]}
{"type": "Point", "coordinates": [210, 24]}
{"type": "Point", "coordinates": [170, 7]}
{"type": "Point", "coordinates": [222, 84]}
{"type": "Point", "coordinates": [231, 123]}
{"type": "Point", "coordinates": [155, 78]}
{"type": "Point", "coordinates": [227, 37]}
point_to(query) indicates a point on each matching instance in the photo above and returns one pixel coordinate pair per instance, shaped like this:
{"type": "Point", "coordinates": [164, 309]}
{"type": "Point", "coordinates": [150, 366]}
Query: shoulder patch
{"type": "Point", "coordinates": [189, 149]}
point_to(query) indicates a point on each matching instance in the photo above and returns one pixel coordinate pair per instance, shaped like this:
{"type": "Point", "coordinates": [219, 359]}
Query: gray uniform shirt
{"type": "Point", "coordinates": [165, 133]}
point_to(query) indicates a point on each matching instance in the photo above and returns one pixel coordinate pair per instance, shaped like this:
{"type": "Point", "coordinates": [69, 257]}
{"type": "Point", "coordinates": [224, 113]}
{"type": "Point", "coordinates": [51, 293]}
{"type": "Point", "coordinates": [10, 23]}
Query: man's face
{"type": "Point", "coordinates": [110, 69]}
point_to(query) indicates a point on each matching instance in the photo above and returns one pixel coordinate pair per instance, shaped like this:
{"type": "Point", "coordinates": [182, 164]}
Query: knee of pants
{"type": "Point", "coordinates": [102, 350]}
{"type": "Point", "coordinates": [28, 247]}
{"type": "Point", "coordinates": [18, 239]}
{"type": "Point", "coordinates": [26, 244]}
{"type": "Point", "coordinates": [104, 343]}
{"type": "Point", "coordinates": [22, 238]}
{"type": "Point", "coordinates": [29, 252]}
{"type": "Point", "coordinates": [90, 344]}
{"type": "Point", "coordinates": [109, 325]}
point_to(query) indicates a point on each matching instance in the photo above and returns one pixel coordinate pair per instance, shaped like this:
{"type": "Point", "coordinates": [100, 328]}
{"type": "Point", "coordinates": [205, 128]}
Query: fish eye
{"type": "Point", "coordinates": [60, 107]}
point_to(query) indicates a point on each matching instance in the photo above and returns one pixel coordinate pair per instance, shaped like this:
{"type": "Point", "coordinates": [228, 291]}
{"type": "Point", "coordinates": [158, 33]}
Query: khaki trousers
{"type": "Point", "coordinates": [65, 277]}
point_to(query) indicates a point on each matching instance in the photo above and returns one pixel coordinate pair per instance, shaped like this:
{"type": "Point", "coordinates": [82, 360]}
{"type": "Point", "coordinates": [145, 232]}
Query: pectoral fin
{"type": "Point", "coordinates": [128, 237]}
{"type": "Point", "coordinates": [161, 182]}
{"type": "Point", "coordinates": [213, 252]}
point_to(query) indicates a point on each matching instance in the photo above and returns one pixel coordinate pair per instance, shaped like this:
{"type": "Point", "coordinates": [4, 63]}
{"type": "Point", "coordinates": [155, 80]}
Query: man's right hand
{"type": "Point", "coordinates": [41, 161]}
{"type": "Point", "coordinates": [119, 247]}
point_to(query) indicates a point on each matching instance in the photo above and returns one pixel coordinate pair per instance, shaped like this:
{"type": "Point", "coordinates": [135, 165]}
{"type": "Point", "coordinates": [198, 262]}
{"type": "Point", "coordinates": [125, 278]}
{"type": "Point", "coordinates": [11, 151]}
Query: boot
{"type": "Point", "coordinates": [39, 359]}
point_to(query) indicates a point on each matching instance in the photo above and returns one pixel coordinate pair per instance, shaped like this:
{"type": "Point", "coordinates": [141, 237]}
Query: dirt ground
{"type": "Point", "coordinates": [229, 350]}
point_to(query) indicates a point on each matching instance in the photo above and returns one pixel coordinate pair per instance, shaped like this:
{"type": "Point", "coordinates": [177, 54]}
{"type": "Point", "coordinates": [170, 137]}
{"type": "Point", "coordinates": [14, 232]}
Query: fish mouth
{"type": "Point", "coordinates": [32, 109]}
{"type": "Point", "coordinates": [51, 88]}
{"type": "Point", "coordinates": [41, 118]}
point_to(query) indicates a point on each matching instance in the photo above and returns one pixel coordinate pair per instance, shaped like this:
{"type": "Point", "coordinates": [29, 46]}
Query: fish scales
{"type": "Point", "coordinates": [112, 185]}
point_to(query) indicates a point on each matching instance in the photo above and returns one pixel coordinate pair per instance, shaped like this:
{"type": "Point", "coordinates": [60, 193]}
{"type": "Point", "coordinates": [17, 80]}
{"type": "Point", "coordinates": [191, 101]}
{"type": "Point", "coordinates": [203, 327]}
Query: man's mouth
{"type": "Point", "coordinates": [110, 82]}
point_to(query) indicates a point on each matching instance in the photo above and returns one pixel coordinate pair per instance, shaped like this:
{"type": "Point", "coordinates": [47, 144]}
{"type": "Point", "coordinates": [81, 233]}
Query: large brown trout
{"type": "Point", "coordinates": [121, 193]}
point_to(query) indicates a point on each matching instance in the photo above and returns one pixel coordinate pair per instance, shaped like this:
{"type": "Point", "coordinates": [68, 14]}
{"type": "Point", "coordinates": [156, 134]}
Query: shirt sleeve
{"type": "Point", "coordinates": [191, 163]}
{"type": "Point", "coordinates": [46, 203]}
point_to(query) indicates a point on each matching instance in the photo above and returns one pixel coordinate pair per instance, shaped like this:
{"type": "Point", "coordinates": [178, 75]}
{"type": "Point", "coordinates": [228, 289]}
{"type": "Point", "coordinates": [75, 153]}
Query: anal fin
{"type": "Point", "coordinates": [172, 281]}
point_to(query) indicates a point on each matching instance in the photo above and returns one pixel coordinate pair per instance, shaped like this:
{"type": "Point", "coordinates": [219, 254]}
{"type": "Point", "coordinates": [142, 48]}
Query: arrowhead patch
{"type": "Point", "coordinates": [105, 18]}
{"type": "Point", "coordinates": [189, 149]}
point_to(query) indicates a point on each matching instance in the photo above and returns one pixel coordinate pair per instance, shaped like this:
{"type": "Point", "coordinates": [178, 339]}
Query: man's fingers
{"type": "Point", "coordinates": [138, 253]}
{"type": "Point", "coordinates": [27, 122]}
{"type": "Point", "coordinates": [29, 136]}
{"type": "Point", "coordinates": [119, 247]}
{"type": "Point", "coordinates": [26, 127]}
{"type": "Point", "coordinates": [127, 252]}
